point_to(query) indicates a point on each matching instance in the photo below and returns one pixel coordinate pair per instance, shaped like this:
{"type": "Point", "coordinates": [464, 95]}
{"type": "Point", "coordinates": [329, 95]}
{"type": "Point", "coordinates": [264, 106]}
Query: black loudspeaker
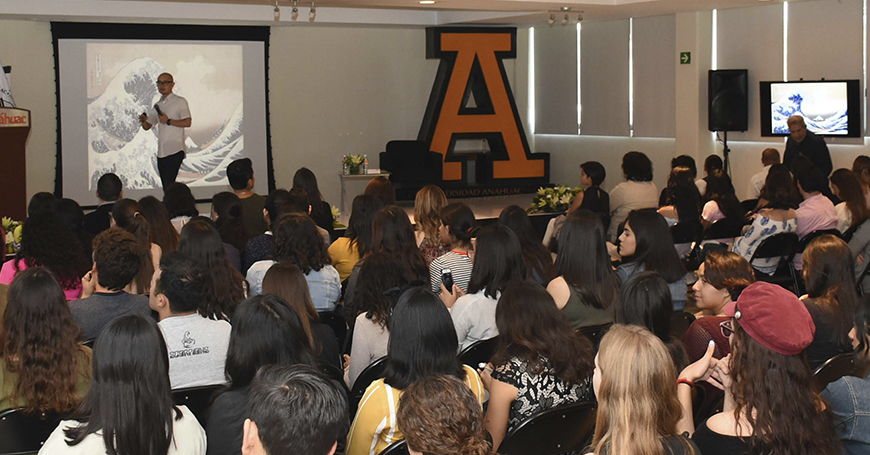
{"type": "Point", "coordinates": [728, 102]}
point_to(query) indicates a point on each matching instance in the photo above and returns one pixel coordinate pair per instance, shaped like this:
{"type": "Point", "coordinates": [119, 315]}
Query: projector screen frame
{"type": "Point", "coordinates": [854, 100]}
{"type": "Point", "coordinates": [157, 32]}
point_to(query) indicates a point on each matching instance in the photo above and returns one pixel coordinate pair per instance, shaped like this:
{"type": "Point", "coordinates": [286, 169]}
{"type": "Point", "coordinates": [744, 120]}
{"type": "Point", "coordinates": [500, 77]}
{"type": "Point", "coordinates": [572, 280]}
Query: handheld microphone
{"type": "Point", "coordinates": [157, 108]}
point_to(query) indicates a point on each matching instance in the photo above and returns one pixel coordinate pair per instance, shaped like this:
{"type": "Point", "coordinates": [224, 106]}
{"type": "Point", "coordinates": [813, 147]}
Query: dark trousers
{"type": "Point", "coordinates": [168, 168]}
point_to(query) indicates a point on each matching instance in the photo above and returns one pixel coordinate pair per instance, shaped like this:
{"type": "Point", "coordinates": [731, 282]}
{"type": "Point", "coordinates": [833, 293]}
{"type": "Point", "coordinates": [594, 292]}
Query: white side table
{"type": "Point", "coordinates": [345, 210]}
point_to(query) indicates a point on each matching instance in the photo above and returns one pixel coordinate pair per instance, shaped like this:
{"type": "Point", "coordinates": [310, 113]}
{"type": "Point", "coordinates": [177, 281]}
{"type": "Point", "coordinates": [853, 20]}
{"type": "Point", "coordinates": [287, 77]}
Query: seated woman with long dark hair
{"type": "Point", "coordinates": [497, 263]}
{"type": "Point", "coordinates": [682, 199]}
{"type": "Point", "coordinates": [347, 250]}
{"type": "Point", "coordinates": [265, 332]}
{"type": "Point", "coordinates": [645, 300]}
{"type": "Point", "coordinates": [162, 231]}
{"type": "Point", "coordinates": [181, 205]}
{"type": "Point", "coordinates": [720, 202]}
{"type": "Point", "coordinates": [297, 242]}
{"type": "Point", "coordinates": [646, 244]}
{"type": "Point", "coordinates": [775, 216]}
{"type": "Point", "coordinates": [831, 297]}
{"type": "Point", "coordinates": [321, 212]}
{"type": "Point", "coordinates": [540, 363]}
{"type": "Point", "coordinates": [458, 226]}
{"type": "Point", "coordinates": [538, 260]}
{"type": "Point", "coordinates": [770, 406]}
{"type": "Point", "coordinates": [288, 282]}
{"type": "Point", "coordinates": [853, 210]}
{"type": "Point", "coordinates": [43, 367]}
{"type": "Point", "coordinates": [422, 344]}
{"type": "Point", "coordinates": [47, 241]}
{"type": "Point", "coordinates": [129, 408]}
{"type": "Point", "coordinates": [226, 212]}
{"type": "Point", "coordinates": [586, 287]}
{"type": "Point", "coordinates": [201, 241]}
{"type": "Point", "coordinates": [638, 408]}
{"type": "Point", "coordinates": [127, 214]}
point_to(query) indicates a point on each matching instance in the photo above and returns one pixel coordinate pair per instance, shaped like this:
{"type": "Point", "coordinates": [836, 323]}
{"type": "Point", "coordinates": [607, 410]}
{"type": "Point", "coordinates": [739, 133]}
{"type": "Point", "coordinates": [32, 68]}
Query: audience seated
{"type": "Point", "coordinates": [538, 260]}
{"type": "Point", "coordinates": [109, 190]}
{"type": "Point", "coordinates": [721, 278]}
{"type": "Point", "coordinates": [646, 244]}
{"type": "Point", "coordinates": [682, 200]}
{"type": "Point", "coordinates": [288, 282]}
{"type": "Point", "coordinates": [638, 409]}
{"type": "Point", "coordinates": [72, 214]}
{"type": "Point", "coordinates": [645, 300]}
{"type": "Point", "coordinates": [43, 367]}
{"type": "Point", "coordinates": [129, 407]}
{"type": "Point", "coordinates": [779, 179]}
{"type": "Point", "coordinates": [321, 211]}
{"type": "Point", "coordinates": [371, 309]}
{"type": "Point", "coordinates": [458, 226]}
{"type": "Point", "coordinates": [587, 286]}
{"type": "Point", "coordinates": [636, 192]}
{"type": "Point", "coordinates": [127, 215]}
{"type": "Point", "coordinates": [47, 241]}
{"type": "Point", "coordinates": [163, 233]}
{"type": "Point", "coordinates": [181, 205]}
{"type": "Point", "coordinates": [540, 362]}
{"type": "Point", "coordinates": [498, 262]}
{"type": "Point", "coordinates": [848, 398]}
{"type": "Point", "coordinates": [593, 198]}
{"type": "Point", "coordinates": [298, 204]}
{"type": "Point", "coordinates": [265, 332]}
{"type": "Point", "coordinates": [769, 157]}
{"type": "Point", "coordinates": [226, 212]}
{"type": "Point", "coordinates": [440, 414]}
{"type": "Point", "coordinates": [685, 161]}
{"type": "Point", "coordinates": [816, 212]}
{"type": "Point", "coordinates": [261, 246]}
{"type": "Point", "coordinates": [294, 410]}
{"type": "Point", "coordinates": [831, 297]}
{"type": "Point", "coordinates": [202, 242]}
{"type": "Point", "coordinates": [240, 174]}
{"type": "Point", "coordinates": [427, 217]}
{"type": "Point", "coordinates": [861, 168]}
{"type": "Point", "coordinates": [383, 189]}
{"type": "Point", "coordinates": [852, 211]}
{"type": "Point", "coordinates": [297, 242]}
{"type": "Point", "coordinates": [712, 166]}
{"type": "Point", "coordinates": [197, 345]}
{"type": "Point", "coordinates": [346, 251]}
{"type": "Point", "coordinates": [107, 286]}
{"type": "Point", "coordinates": [721, 202]}
{"type": "Point", "coordinates": [775, 216]}
{"type": "Point", "coordinates": [770, 405]}
{"type": "Point", "coordinates": [422, 344]}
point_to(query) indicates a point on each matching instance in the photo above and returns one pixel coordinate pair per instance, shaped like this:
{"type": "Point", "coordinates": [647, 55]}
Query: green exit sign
{"type": "Point", "coordinates": [685, 58]}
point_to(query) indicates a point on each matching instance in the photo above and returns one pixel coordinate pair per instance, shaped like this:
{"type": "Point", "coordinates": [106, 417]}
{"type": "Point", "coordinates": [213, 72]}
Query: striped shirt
{"type": "Point", "coordinates": [460, 267]}
{"type": "Point", "coordinates": [374, 427]}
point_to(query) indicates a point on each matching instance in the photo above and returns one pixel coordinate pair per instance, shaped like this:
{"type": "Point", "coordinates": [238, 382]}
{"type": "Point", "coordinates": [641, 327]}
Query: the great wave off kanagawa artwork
{"type": "Point", "coordinates": [122, 84]}
{"type": "Point", "coordinates": [824, 107]}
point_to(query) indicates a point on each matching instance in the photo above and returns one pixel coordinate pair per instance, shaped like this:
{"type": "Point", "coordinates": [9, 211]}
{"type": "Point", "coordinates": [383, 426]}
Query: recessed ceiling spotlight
{"type": "Point", "coordinates": [427, 2]}
{"type": "Point", "coordinates": [294, 13]}
{"type": "Point", "coordinates": [565, 20]}
{"type": "Point", "coordinates": [566, 8]}
{"type": "Point", "coordinates": [552, 19]}
{"type": "Point", "coordinates": [312, 14]}
{"type": "Point", "coordinates": [277, 12]}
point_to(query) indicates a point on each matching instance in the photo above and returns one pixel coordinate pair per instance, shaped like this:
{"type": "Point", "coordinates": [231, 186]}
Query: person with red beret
{"type": "Point", "coordinates": [770, 406]}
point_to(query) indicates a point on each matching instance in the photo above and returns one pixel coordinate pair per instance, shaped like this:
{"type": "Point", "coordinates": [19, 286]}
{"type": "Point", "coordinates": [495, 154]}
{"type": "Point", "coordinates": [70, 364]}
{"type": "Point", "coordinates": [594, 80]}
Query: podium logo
{"type": "Point", "coordinates": [13, 119]}
{"type": "Point", "coordinates": [472, 99]}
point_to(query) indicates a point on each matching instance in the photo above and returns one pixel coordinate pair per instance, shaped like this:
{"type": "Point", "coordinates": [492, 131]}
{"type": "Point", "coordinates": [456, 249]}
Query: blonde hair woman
{"type": "Point", "coordinates": [427, 208]}
{"type": "Point", "coordinates": [638, 408]}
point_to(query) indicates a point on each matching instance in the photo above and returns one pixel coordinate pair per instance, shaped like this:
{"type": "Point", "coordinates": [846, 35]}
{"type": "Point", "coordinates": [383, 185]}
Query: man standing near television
{"type": "Point", "coordinates": [803, 142]}
{"type": "Point", "coordinates": [171, 115]}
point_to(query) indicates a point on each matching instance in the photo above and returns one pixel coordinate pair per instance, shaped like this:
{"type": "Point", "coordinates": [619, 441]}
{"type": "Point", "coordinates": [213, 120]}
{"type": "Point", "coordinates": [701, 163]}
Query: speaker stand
{"type": "Point", "coordinates": [725, 153]}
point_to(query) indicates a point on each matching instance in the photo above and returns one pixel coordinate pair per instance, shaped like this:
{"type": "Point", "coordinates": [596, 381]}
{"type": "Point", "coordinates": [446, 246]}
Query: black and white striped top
{"type": "Point", "coordinates": [460, 266]}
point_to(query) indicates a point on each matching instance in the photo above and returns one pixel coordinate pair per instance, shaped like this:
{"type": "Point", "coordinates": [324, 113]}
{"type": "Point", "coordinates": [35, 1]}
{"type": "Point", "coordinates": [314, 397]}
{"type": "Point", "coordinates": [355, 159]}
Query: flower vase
{"type": "Point", "coordinates": [353, 169]}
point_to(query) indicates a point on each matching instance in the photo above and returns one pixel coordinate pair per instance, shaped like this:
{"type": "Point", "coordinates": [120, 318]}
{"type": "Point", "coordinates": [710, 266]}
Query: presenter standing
{"type": "Point", "coordinates": [171, 115]}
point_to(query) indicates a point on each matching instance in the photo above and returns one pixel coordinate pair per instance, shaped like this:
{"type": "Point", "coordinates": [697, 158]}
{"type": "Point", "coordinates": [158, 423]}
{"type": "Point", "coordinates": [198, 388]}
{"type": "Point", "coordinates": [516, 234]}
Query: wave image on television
{"type": "Point", "coordinates": [823, 105]}
{"type": "Point", "coordinates": [121, 85]}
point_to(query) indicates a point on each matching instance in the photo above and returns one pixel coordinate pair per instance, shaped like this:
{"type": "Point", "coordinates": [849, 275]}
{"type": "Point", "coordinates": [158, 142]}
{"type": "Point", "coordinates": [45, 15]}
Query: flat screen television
{"type": "Point", "coordinates": [829, 108]}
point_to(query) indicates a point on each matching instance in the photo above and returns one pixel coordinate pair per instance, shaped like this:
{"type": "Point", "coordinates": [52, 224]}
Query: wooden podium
{"type": "Point", "coordinates": [14, 129]}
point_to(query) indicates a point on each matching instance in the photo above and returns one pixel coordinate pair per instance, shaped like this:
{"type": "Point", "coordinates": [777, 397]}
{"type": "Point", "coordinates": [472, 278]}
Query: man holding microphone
{"type": "Point", "coordinates": [171, 115]}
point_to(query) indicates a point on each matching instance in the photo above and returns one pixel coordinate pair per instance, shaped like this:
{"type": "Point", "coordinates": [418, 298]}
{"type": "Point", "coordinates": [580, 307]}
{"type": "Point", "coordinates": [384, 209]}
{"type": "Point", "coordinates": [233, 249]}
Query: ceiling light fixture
{"type": "Point", "coordinates": [312, 14]}
{"type": "Point", "coordinates": [277, 12]}
{"type": "Point", "coordinates": [552, 20]}
{"type": "Point", "coordinates": [294, 13]}
{"type": "Point", "coordinates": [427, 2]}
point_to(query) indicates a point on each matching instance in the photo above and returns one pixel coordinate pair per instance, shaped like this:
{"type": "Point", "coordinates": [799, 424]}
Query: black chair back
{"type": "Point", "coordinates": [680, 322]}
{"type": "Point", "coordinates": [555, 431]}
{"type": "Point", "coordinates": [370, 374]}
{"type": "Point", "coordinates": [89, 343]}
{"type": "Point", "coordinates": [197, 399]}
{"type": "Point", "coordinates": [685, 232]}
{"type": "Point", "coordinates": [723, 229]}
{"type": "Point", "coordinates": [22, 433]}
{"type": "Point", "coordinates": [749, 204]}
{"type": "Point", "coordinates": [336, 323]}
{"type": "Point", "coordinates": [802, 245]}
{"type": "Point", "coordinates": [782, 246]}
{"type": "Point", "coordinates": [396, 448]}
{"type": "Point", "coordinates": [835, 368]}
{"type": "Point", "coordinates": [479, 352]}
{"type": "Point", "coordinates": [594, 333]}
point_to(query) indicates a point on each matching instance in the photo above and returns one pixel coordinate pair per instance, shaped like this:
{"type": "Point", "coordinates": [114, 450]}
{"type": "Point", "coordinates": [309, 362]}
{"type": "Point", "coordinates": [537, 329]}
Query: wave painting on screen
{"type": "Point", "coordinates": [824, 106]}
{"type": "Point", "coordinates": [122, 84]}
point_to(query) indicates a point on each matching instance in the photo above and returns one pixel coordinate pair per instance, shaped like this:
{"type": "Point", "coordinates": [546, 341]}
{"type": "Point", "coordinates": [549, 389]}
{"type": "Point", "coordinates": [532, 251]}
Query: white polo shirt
{"type": "Point", "coordinates": [170, 138]}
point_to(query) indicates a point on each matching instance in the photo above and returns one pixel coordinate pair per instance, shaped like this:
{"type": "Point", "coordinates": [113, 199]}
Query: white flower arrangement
{"type": "Point", "coordinates": [556, 199]}
{"type": "Point", "coordinates": [13, 233]}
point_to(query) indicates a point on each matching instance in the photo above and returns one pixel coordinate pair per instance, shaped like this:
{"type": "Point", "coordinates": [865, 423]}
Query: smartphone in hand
{"type": "Point", "coordinates": [447, 279]}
